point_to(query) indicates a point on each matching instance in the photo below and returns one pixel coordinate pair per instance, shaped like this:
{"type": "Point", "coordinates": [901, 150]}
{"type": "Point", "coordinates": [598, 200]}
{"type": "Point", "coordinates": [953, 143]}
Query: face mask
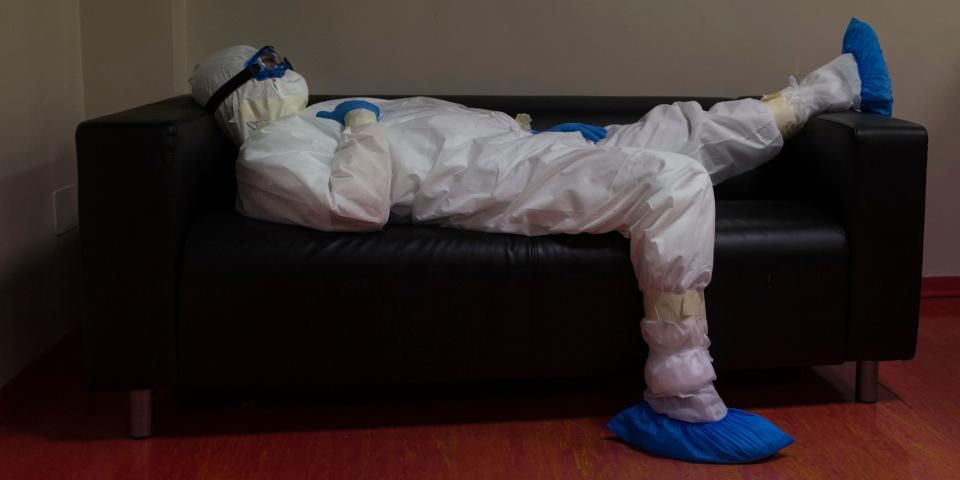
{"type": "Point", "coordinates": [260, 102]}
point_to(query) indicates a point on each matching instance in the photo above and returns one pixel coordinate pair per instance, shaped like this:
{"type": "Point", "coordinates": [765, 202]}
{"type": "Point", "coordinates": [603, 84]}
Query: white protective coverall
{"type": "Point", "coordinates": [429, 161]}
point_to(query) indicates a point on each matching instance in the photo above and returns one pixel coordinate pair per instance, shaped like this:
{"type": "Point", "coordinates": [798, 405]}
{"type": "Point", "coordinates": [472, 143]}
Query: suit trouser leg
{"type": "Point", "coordinates": [728, 139]}
{"type": "Point", "coordinates": [663, 202]}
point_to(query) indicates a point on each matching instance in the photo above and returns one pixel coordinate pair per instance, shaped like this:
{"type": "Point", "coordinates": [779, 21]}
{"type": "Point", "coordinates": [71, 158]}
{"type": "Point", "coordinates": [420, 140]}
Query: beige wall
{"type": "Point", "coordinates": [133, 53]}
{"type": "Point", "coordinates": [42, 100]}
{"type": "Point", "coordinates": [614, 47]}
{"type": "Point", "coordinates": [68, 60]}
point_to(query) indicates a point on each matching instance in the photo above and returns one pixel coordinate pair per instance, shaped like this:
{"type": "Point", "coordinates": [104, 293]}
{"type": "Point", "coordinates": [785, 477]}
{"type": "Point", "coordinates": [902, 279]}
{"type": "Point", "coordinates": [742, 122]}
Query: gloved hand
{"type": "Point", "coordinates": [590, 132]}
{"type": "Point", "coordinates": [344, 108]}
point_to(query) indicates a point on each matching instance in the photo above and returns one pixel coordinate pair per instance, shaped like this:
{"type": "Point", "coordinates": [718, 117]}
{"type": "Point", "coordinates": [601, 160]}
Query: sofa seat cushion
{"type": "Point", "coordinates": [269, 305]}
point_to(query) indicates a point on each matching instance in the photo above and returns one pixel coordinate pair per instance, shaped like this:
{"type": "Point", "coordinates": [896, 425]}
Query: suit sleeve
{"type": "Point", "coordinates": [360, 179]}
{"type": "Point", "coordinates": [314, 173]}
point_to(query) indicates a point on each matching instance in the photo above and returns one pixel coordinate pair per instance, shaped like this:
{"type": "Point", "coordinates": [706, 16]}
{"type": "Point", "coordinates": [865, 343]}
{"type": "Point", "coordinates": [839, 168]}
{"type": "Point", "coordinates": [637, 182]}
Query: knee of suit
{"type": "Point", "coordinates": [685, 182]}
{"type": "Point", "coordinates": [699, 178]}
{"type": "Point", "coordinates": [672, 235]}
{"type": "Point", "coordinates": [654, 177]}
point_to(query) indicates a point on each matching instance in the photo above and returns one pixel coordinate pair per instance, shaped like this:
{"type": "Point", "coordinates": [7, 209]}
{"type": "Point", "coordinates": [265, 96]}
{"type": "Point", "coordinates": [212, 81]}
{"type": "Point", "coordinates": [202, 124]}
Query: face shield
{"type": "Point", "coordinates": [247, 89]}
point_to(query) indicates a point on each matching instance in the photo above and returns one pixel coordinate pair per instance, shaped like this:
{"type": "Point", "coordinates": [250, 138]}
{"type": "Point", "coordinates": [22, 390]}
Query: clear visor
{"type": "Point", "coordinates": [269, 60]}
{"type": "Point", "coordinates": [271, 64]}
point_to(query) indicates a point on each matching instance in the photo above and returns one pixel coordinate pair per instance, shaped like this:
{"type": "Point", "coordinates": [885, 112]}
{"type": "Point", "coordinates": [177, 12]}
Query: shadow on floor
{"type": "Point", "coordinates": [56, 403]}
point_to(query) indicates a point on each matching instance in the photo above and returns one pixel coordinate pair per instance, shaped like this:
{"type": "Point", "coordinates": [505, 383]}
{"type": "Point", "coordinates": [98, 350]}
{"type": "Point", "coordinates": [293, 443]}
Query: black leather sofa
{"type": "Point", "coordinates": [818, 258]}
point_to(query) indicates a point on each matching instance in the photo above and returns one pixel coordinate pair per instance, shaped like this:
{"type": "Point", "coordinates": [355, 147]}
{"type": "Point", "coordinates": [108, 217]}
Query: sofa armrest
{"type": "Point", "coordinates": [869, 171]}
{"type": "Point", "coordinates": [144, 176]}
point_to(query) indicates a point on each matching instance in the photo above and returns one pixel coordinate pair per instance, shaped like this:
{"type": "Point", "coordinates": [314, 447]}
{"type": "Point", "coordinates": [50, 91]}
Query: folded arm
{"type": "Point", "coordinates": [317, 173]}
{"type": "Point", "coordinates": [360, 179]}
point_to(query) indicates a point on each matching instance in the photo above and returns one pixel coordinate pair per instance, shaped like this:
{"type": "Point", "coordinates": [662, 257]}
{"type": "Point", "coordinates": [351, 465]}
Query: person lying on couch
{"type": "Point", "coordinates": [355, 164]}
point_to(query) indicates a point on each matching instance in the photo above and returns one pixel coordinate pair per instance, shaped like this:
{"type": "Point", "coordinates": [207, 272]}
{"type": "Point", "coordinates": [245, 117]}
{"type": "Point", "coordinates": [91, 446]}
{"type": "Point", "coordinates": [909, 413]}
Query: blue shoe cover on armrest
{"type": "Point", "coordinates": [876, 92]}
{"type": "Point", "coordinates": [739, 437]}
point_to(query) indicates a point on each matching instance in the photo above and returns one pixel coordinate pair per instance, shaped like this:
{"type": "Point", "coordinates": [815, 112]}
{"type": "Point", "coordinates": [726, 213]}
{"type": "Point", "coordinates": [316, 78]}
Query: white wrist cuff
{"type": "Point", "coordinates": [525, 121]}
{"type": "Point", "coordinates": [360, 116]}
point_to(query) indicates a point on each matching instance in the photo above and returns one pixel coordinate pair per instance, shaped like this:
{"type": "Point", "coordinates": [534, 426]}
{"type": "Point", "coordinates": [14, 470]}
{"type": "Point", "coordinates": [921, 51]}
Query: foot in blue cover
{"type": "Point", "coordinates": [876, 92]}
{"type": "Point", "coordinates": [739, 437]}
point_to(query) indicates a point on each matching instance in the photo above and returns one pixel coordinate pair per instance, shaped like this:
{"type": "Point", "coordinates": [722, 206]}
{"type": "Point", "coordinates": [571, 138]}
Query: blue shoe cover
{"type": "Point", "coordinates": [740, 437]}
{"type": "Point", "coordinates": [876, 92]}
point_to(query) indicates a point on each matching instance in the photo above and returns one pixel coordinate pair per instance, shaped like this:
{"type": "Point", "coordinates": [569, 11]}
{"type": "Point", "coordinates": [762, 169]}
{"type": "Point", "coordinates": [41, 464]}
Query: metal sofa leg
{"type": "Point", "coordinates": [868, 380]}
{"type": "Point", "coordinates": [141, 413]}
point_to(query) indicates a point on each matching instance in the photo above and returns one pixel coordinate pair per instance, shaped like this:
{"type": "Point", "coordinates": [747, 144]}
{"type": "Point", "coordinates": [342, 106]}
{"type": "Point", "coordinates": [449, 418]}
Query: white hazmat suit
{"type": "Point", "coordinates": [429, 161]}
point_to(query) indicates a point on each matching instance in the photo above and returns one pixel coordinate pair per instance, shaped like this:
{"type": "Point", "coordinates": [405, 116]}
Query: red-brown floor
{"type": "Point", "coordinates": [61, 431]}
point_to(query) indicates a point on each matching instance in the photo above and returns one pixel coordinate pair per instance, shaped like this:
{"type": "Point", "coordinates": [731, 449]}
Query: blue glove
{"type": "Point", "coordinates": [341, 111]}
{"type": "Point", "coordinates": [590, 132]}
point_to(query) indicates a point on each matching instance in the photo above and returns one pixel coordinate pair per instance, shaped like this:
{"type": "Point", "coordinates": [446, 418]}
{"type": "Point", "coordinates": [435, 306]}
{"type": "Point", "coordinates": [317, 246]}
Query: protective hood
{"type": "Point", "coordinates": [254, 104]}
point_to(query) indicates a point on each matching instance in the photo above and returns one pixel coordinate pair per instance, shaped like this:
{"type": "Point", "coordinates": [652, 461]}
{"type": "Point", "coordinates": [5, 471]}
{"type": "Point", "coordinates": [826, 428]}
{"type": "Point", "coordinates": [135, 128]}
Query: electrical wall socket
{"type": "Point", "coordinates": [66, 214]}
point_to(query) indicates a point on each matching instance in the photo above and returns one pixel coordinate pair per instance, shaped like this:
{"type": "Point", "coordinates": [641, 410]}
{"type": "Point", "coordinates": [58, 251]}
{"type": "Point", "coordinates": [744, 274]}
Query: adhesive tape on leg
{"type": "Point", "coordinates": [783, 113]}
{"type": "Point", "coordinates": [674, 306]}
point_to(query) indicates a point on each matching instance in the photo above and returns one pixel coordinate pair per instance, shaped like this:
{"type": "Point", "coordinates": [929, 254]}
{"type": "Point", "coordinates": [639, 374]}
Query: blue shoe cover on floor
{"type": "Point", "coordinates": [876, 92]}
{"type": "Point", "coordinates": [740, 437]}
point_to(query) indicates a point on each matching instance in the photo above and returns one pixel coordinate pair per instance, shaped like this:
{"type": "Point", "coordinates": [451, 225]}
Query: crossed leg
{"type": "Point", "coordinates": [740, 135]}
{"type": "Point", "coordinates": [729, 139]}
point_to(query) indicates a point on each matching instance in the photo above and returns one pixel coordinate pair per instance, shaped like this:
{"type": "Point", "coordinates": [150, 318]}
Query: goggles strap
{"type": "Point", "coordinates": [234, 83]}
